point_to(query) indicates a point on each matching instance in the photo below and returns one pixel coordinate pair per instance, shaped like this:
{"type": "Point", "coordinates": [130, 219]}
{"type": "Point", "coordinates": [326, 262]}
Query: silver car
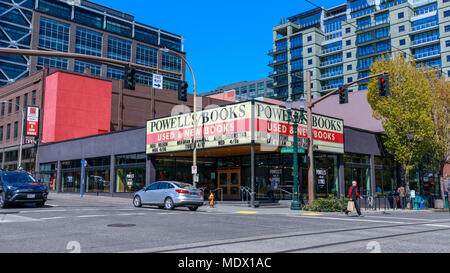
{"type": "Point", "coordinates": [168, 195]}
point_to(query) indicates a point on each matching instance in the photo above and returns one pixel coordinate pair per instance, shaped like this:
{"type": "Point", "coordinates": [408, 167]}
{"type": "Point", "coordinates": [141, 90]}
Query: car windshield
{"type": "Point", "coordinates": [184, 186]}
{"type": "Point", "coordinates": [18, 178]}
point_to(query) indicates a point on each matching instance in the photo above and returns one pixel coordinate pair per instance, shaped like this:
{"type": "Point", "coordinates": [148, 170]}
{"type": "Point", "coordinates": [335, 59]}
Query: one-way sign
{"type": "Point", "coordinates": [157, 81]}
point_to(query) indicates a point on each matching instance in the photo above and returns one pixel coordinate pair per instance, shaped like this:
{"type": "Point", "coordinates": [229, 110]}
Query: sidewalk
{"type": "Point", "coordinates": [226, 206]}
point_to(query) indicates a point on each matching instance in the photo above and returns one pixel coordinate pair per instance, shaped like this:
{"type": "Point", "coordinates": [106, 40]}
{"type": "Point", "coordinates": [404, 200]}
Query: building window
{"type": "Point", "coordinates": [348, 42]}
{"type": "Point", "coordinates": [8, 132]}
{"type": "Point", "coordinates": [53, 35]}
{"type": "Point", "coordinates": [147, 56]}
{"type": "Point", "coordinates": [401, 28]}
{"type": "Point", "coordinates": [296, 41]}
{"type": "Point", "coordinates": [115, 73]}
{"type": "Point", "coordinates": [310, 50]}
{"type": "Point", "coordinates": [16, 129]}
{"type": "Point", "coordinates": [448, 58]}
{"type": "Point", "coordinates": [447, 27]}
{"type": "Point", "coordinates": [146, 36]}
{"type": "Point", "coordinates": [87, 18]}
{"type": "Point", "coordinates": [447, 43]}
{"type": "Point", "coordinates": [402, 42]}
{"type": "Point", "coordinates": [347, 30]}
{"type": "Point", "coordinates": [118, 27]}
{"type": "Point", "coordinates": [17, 104]}
{"type": "Point", "coordinates": [55, 9]}
{"type": "Point", "coordinates": [25, 100]}
{"type": "Point", "coordinates": [350, 79]}
{"type": "Point", "coordinates": [33, 97]}
{"type": "Point", "coordinates": [119, 49]}
{"type": "Point", "coordinates": [80, 67]}
{"type": "Point", "coordinates": [10, 106]}
{"type": "Point", "coordinates": [309, 62]}
{"type": "Point", "coordinates": [170, 43]}
{"type": "Point", "coordinates": [446, 13]}
{"type": "Point", "coordinates": [401, 15]}
{"type": "Point", "coordinates": [3, 109]}
{"type": "Point", "coordinates": [349, 54]}
{"type": "Point", "coordinates": [309, 38]}
{"type": "Point", "coordinates": [1, 133]}
{"type": "Point", "coordinates": [88, 42]}
{"type": "Point", "coordinates": [349, 67]}
{"type": "Point", "coordinates": [171, 62]}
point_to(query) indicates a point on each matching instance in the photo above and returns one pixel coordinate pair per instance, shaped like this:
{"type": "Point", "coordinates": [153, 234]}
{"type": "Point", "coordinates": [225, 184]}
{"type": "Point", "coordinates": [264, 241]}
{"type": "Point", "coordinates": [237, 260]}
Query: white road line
{"type": "Point", "coordinates": [52, 218]}
{"type": "Point", "coordinates": [436, 225]}
{"type": "Point", "coordinates": [401, 218]}
{"type": "Point", "coordinates": [89, 216]}
{"type": "Point", "coordinates": [130, 214]}
{"type": "Point", "coordinates": [27, 211]}
{"type": "Point", "coordinates": [348, 219]}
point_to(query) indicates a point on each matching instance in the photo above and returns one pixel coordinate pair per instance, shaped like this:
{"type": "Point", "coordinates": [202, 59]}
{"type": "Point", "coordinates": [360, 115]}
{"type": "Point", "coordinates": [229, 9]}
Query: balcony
{"type": "Point", "coordinates": [425, 41]}
{"type": "Point", "coordinates": [331, 87]}
{"type": "Point", "coordinates": [426, 55]}
{"type": "Point", "coordinates": [278, 50]}
{"type": "Point", "coordinates": [379, 24]}
{"type": "Point", "coordinates": [331, 50]}
{"type": "Point", "coordinates": [330, 63]}
{"type": "Point", "coordinates": [331, 75]}
{"type": "Point", "coordinates": [424, 27]}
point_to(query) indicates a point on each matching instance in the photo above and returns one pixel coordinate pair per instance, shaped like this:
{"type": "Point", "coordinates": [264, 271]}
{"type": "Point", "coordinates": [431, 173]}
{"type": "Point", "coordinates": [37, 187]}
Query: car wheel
{"type": "Point", "coordinates": [168, 203]}
{"type": "Point", "coordinates": [3, 203]}
{"type": "Point", "coordinates": [193, 208]}
{"type": "Point", "coordinates": [137, 201]}
{"type": "Point", "coordinates": [40, 204]}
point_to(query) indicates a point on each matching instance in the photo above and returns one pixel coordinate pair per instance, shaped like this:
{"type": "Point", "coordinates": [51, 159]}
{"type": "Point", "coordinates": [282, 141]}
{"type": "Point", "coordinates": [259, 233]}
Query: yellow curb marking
{"type": "Point", "coordinates": [312, 214]}
{"type": "Point", "coordinates": [51, 205]}
{"type": "Point", "coordinates": [246, 212]}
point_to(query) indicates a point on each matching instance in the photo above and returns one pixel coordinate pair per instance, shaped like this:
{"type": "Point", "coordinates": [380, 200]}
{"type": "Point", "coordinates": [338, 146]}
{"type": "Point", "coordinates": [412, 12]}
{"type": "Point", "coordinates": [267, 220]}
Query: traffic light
{"type": "Point", "coordinates": [182, 91]}
{"type": "Point", "coordinates": [383, 86]}
{"type": "Point", "coordinates": [343, 94]}
{"type": "Point", "coordinates": [130, 78]}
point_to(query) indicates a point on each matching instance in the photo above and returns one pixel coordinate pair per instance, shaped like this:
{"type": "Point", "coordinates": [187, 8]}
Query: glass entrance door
{"type": "Point", "coordinates": [229, 180]}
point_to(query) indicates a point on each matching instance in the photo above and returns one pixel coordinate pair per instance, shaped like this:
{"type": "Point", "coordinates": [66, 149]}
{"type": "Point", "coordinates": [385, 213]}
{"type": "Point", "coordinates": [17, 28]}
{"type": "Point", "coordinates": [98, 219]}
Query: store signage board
{"type": "Point", "coordinates": [230, 125]}
{"type": "Point", "coordinates": [273, 128]}
{"type": "Point", "coordinates": [32, 121]}
{"type": "Point", "coordinates": [223, 126]}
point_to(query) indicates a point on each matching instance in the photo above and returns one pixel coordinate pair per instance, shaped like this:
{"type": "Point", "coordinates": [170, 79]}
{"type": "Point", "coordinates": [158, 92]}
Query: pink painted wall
{"type": "Point", "coordinates": [75, 106]}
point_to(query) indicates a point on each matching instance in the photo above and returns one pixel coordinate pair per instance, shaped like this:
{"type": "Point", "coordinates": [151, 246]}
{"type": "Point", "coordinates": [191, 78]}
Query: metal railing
{"type": "Point", "coordinates": [221, 192]}
{"type": "Point", "coordinates": [246, 194]}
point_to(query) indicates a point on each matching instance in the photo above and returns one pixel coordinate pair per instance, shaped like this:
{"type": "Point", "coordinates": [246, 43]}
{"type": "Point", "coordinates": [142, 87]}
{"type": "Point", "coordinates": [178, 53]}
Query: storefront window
{"type": "Point", "coordinates": [327, 175]}
{"type": "Point", "coordinates": [130, 172]}
{"type": "Point", "coordinates": [71, 176]}
{"type": "Point", "coordinates": [48, 175]}
{"type": "Point", "coordinates": [385, 176]}
{"type": "Point", "coordinates": [98, 174]}
{"type": "Point", "coordinates": [357, 168]}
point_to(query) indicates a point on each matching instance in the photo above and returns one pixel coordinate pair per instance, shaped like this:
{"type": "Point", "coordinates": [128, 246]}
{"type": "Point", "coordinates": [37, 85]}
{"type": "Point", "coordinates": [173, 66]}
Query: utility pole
{"type": "Point", "coordinates": [309, 106]}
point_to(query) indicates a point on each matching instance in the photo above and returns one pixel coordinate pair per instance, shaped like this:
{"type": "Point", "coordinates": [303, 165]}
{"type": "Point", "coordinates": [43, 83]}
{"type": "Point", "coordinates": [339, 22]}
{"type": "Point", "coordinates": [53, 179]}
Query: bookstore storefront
{"type": "Point", "coordinates": [237, 144]}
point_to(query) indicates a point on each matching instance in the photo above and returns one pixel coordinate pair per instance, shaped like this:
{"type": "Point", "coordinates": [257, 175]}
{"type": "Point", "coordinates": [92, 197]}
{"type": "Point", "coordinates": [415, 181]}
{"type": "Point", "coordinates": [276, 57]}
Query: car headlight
{"type": "Point", "coordinates": [11, 188]}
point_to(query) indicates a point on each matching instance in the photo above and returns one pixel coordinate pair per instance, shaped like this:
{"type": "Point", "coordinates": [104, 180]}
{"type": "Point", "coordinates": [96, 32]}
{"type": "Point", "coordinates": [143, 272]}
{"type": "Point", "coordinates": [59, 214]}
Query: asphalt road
{"type": "Point", "coordinates": [73, 225]}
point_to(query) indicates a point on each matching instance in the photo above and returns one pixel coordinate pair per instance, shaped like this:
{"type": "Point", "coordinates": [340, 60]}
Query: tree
{"type": "Point", "coordinates": [440, 148]}
{"type": "Point", "coordinates": [405, 114]}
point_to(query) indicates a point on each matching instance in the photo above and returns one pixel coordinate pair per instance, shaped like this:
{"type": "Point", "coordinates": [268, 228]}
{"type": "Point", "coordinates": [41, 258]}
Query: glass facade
{"type": "Point", "coordinates": [119, 49]}
{"type": "Point", "coordinates": [146, 55]}
{"type": "Point", "coordinates": [88, 42]}
{"type": "Point", "coordinates": [80, 66]}
{"type": "Point", "coordinates": [171, 62]}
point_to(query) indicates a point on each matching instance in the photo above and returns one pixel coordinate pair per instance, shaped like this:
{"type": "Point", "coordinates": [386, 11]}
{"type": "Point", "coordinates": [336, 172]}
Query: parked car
{"type": "Point", "coordinates": [20, 187]}
{"type": "Point", "coordinates": [168, 195]}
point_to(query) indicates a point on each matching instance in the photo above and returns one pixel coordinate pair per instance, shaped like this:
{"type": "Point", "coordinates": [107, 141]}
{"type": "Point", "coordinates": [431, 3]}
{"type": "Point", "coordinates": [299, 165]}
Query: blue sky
{"type": "Point", "coordinates": [225, 41]}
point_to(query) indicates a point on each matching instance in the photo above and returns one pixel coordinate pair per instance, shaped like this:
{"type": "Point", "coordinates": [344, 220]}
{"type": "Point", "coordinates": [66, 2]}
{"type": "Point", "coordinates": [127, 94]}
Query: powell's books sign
{"type": "Point", "coordinates": [232, 125]}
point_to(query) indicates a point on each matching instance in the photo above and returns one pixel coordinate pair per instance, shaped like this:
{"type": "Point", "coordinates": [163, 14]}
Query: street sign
{"type": "Point", "coordinates": [291, 150]}
{"type": "Point", "coordinates": [194, 169]}
{"type": "Point", "coordinates": [157, 81]}
{"type": "Point", "coordinates": [196, 177]}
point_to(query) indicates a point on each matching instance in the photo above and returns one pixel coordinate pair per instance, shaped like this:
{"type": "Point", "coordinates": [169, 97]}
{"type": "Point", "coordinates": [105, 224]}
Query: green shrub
{"type": "Point", "coordinates": [328, 205]}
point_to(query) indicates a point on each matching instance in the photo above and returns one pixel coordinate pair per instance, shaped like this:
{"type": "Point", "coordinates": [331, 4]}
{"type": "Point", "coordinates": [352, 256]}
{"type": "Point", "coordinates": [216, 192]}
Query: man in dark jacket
{"type": "Point", "coordinates": [353, 194]}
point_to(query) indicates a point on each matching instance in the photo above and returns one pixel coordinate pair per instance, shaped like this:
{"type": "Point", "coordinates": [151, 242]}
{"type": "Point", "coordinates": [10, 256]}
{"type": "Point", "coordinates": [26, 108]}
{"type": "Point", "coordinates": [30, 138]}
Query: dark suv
{"type": "Point", "coordinates": [20, 187]}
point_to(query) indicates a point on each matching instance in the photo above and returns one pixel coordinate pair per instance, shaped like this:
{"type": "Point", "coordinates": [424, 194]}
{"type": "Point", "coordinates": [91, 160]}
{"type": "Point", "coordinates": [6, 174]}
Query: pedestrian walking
{"type": "Point", "coordinates": [402, 194]}
{"type": "Point", "coordinates": [270, 192]}
{"type": "Point", "coordinates": [353, 194]}
{"type": "Point", "coordinates": [211, 200]}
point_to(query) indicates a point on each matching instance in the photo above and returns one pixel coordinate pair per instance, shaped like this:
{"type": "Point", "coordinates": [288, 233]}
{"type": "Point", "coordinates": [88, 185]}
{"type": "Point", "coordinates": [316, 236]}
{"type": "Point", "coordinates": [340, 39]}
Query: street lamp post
{"type": "Point", "coordinates": [194, 142]}
{"type": "Point", "coordinates": [19, 165]}
{"type": "Point", "coordinates": [295, 205]}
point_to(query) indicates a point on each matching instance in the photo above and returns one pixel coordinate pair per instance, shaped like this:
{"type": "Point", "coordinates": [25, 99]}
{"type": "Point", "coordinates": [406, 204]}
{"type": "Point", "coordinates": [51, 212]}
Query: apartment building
{"type": "Point", "coordinates": [339, 44]}
{"type": "Point", "coordinates": [246, 90]}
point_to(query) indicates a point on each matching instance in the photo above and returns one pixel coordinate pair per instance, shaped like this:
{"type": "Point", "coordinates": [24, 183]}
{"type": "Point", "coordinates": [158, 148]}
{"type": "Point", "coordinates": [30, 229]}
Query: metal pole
{"type": "Point", "coordinates": [21, 141]}
{"type": "Point", "coordinates": [311, 192]}
{"type": "Point", "coordinates": [295, 205]}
